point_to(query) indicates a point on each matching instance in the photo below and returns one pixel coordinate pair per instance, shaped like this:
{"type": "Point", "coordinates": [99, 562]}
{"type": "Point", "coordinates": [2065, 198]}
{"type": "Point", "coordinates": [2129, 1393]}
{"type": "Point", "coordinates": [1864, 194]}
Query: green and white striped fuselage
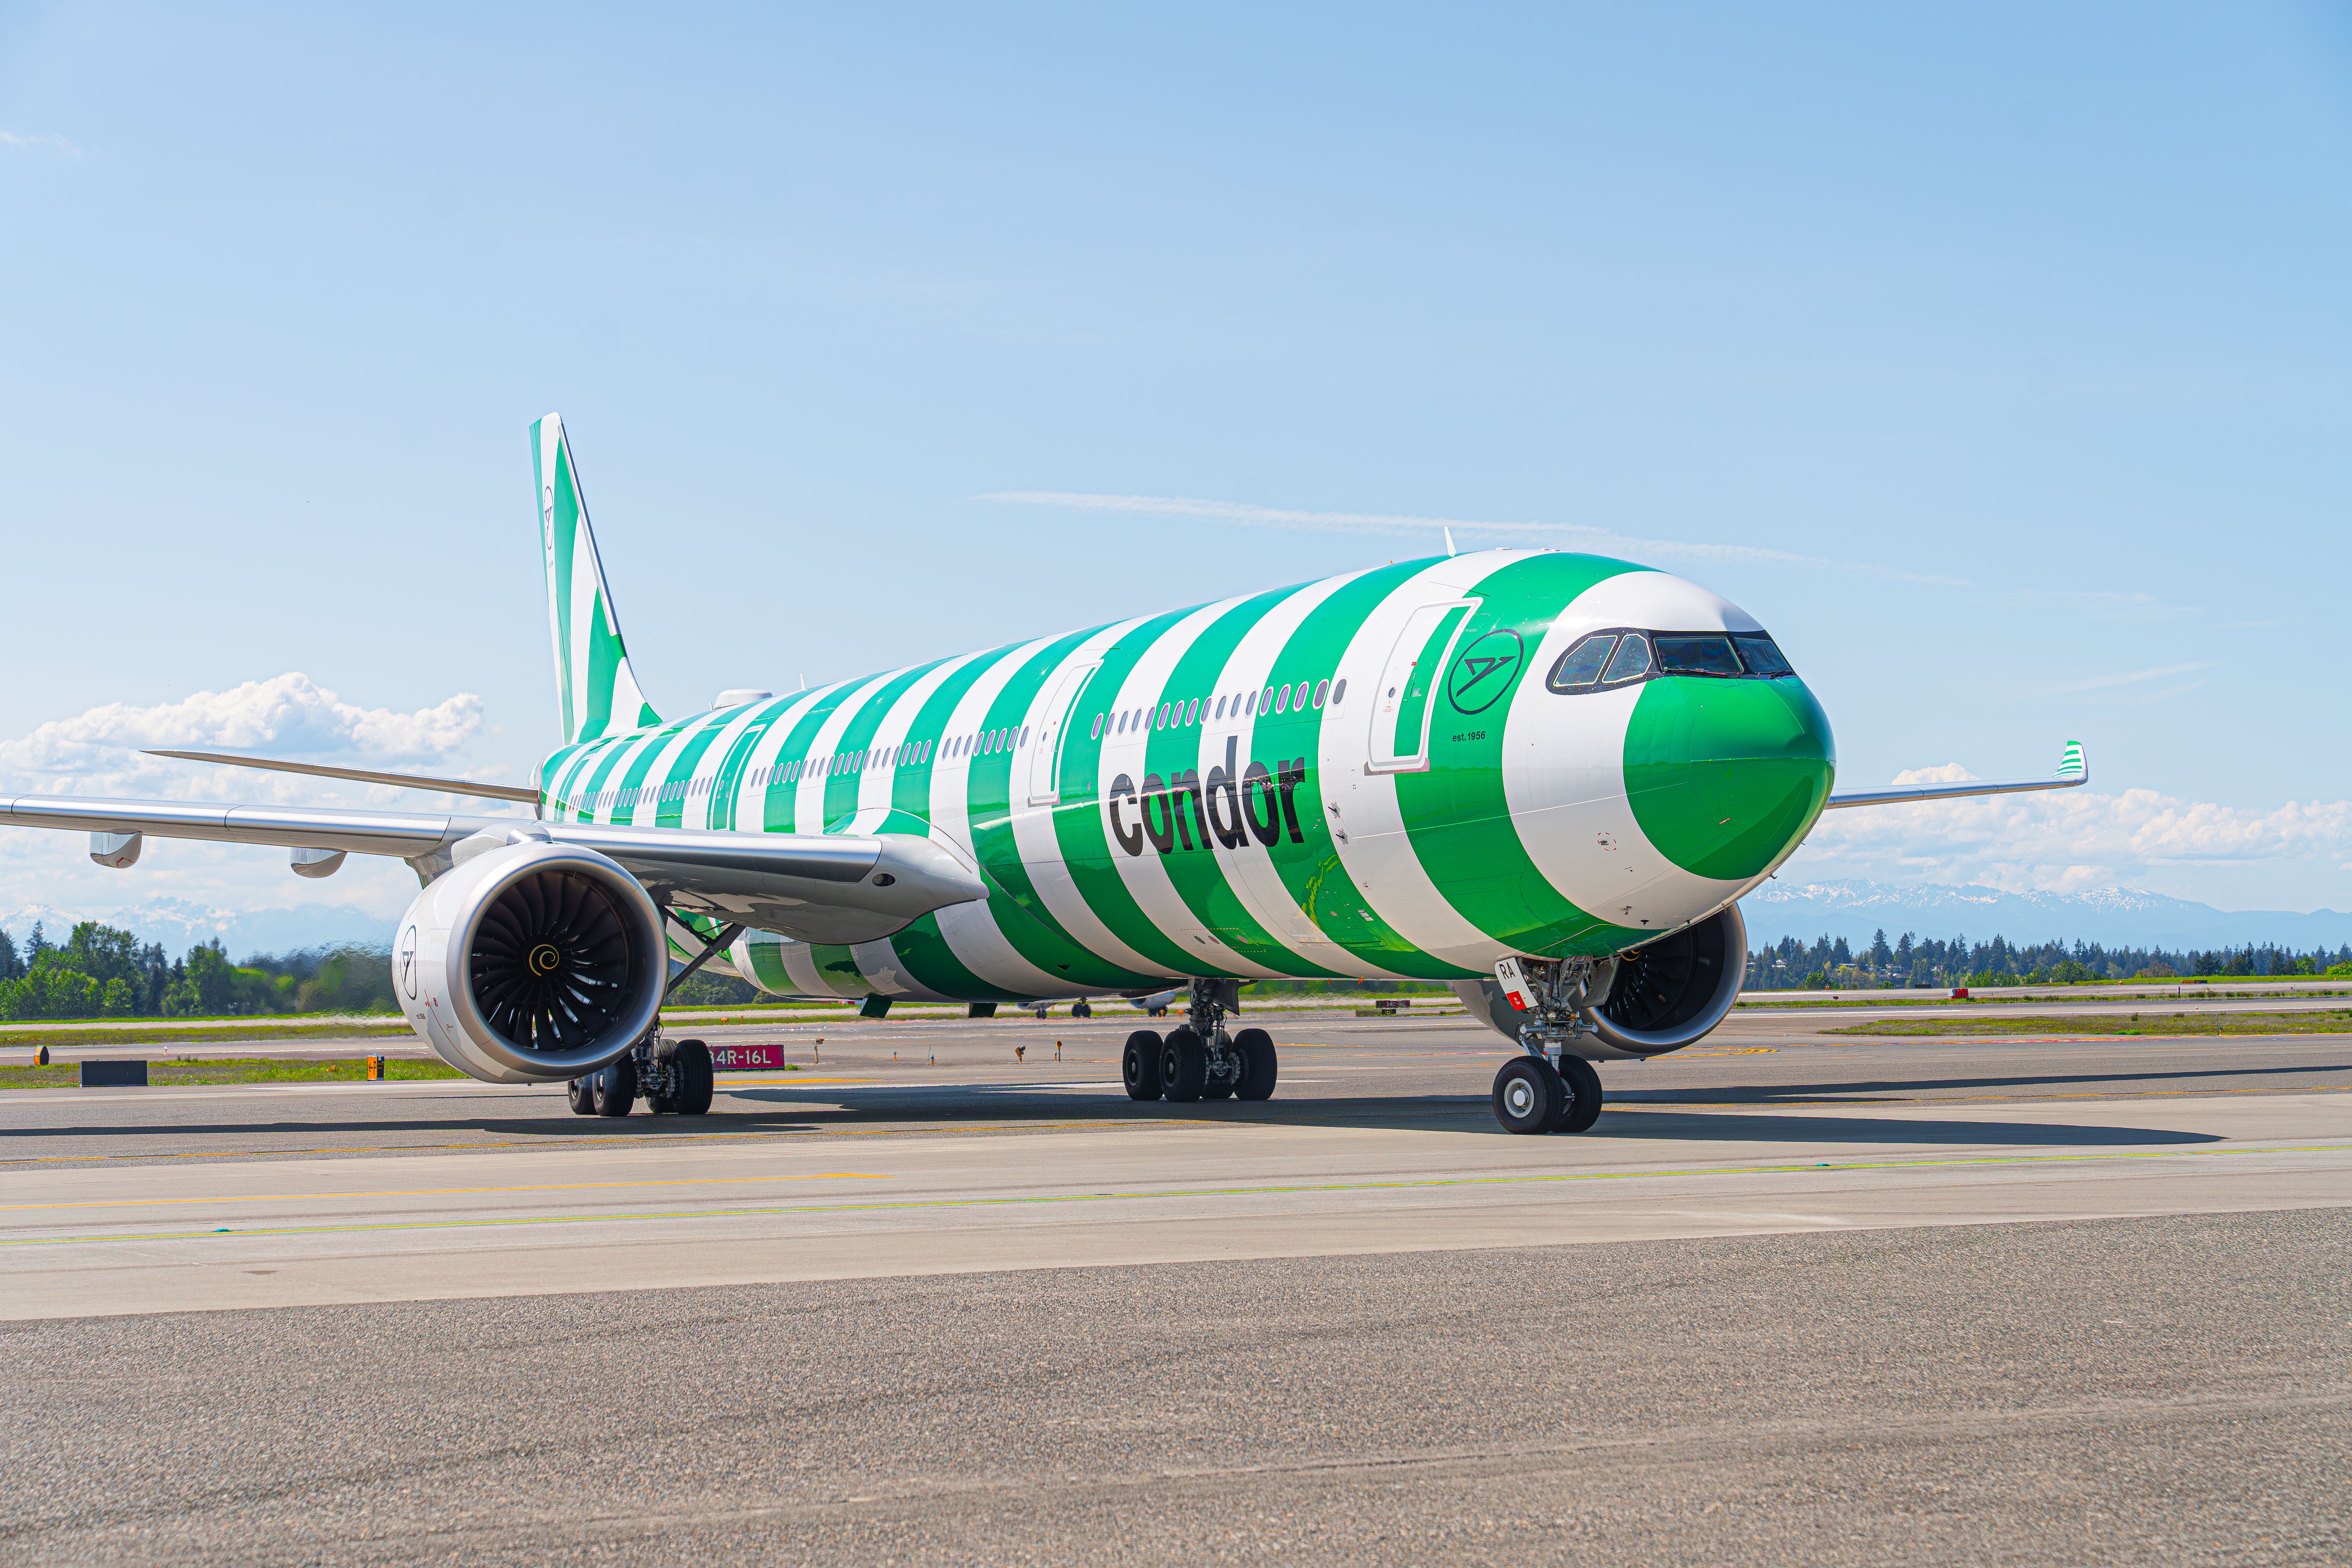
{"type": "Point", "coordinates": [1150, 800]}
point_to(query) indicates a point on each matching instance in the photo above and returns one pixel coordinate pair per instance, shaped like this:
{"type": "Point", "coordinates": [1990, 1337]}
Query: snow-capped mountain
{"type": "Point", "coordinates": [2116, 917]}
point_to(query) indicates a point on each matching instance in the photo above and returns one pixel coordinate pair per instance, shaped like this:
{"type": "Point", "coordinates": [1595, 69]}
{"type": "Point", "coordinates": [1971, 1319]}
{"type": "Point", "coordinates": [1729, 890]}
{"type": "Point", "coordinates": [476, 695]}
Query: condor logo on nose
{"type": "Point", "coordinates": [1484, 672]}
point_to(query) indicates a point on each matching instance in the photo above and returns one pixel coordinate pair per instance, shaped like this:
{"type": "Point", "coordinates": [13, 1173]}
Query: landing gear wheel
{"type": "Point", "coordinates": [1256, 1048]}
{"type": "Point", "coordinates": [581, 1095]}
{"type": "Point", "coordinates": [1081, 1010]}
{"type": "Point", "coordinates": [695, 1078]}
{"type": "Point", "coordinates": [658, 1103]}
{"type": "Point", "coordinates": [1215, 1087]}
{"type": "Point", "coordinates": [1583, 1107]}
{"type": "Point", "coordinates": [1183, 1065]}
{"type": "Point", "coordinates": [1141, 1064]}
{"type": "Point", "coordinates": [616, 1086]}
{"type": "Point", "coordinates": [1529, 1096]}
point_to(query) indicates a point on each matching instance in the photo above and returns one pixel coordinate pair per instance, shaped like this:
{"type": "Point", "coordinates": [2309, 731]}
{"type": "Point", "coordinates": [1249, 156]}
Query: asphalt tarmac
{"type": "Point", "coordinates": [1798, 1297]}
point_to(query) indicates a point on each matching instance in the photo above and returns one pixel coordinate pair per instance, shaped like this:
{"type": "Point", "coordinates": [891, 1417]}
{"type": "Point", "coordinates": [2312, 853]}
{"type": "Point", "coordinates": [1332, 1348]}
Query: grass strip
{"type": "Point", "coordinates": [2141, 1023]}
{"type": "Point", "coordinates": [236, 1070]}
{"type": "Point", "coordinates": [137, 1035]}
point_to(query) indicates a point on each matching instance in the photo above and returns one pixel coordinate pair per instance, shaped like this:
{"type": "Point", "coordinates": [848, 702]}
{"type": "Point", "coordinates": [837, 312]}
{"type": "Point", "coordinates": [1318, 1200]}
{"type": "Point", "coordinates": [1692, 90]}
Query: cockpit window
{"type": "Point", "coordinates": [1761, 655]}
{"type": "Point", "coordinates": [1632, 658]}
{"type": "Point", "coordinates": [1682, 655]}
{"type": "Point", "coordinates": [1618, 657]}
{"type": "Point", "coordinates": [1580, 665]}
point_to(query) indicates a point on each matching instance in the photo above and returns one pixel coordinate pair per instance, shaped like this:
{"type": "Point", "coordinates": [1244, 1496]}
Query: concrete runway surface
{"type": "Point", "coordinates": [1799, 1297]}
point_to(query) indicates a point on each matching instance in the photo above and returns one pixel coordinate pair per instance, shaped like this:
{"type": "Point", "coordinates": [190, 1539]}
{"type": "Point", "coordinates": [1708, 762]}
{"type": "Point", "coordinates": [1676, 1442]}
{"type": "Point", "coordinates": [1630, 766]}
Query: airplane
{"type": "Point", "coordinates": [1543, 778]}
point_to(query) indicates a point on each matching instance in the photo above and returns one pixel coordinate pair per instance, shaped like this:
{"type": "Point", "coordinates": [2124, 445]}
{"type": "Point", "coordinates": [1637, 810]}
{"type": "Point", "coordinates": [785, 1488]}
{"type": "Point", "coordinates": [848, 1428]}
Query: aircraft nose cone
{"type": "Point", "coordinates": [1725, 775]}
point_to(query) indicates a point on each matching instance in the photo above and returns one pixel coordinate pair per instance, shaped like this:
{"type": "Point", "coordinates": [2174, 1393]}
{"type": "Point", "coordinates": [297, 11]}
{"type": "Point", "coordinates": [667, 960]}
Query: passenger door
{"type": "Point", "coordinates": [1398, 743]}
{"type": "Point", "coordinates": [1046, 754]}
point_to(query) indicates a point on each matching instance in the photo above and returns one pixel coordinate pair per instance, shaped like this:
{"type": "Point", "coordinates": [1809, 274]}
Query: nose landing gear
{"type": "Point", "coordinates": [1550, 1088]}
{"type": "Point", "coordinates": [1533, 1096]}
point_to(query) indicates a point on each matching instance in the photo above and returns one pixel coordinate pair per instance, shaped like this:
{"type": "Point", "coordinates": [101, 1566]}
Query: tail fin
{"type": "Point", "coordinates": [594, 685]}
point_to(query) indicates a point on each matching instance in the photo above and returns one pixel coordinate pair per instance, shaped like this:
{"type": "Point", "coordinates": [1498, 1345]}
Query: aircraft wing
{"type": "Point", "coordinates": [831, 888]}
{"type": "Point", "coordinates": [2073, 770]}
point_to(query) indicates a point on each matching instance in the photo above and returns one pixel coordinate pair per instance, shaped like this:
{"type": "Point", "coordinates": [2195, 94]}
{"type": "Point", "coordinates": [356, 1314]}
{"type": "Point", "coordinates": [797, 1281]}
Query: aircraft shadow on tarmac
{"type": "Point", "coordinates": [1009, 1107]}
{"type": "Point", "coordinates": [1856, 1091]}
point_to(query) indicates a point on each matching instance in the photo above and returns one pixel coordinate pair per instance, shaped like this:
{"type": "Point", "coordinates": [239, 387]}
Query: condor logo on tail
{"type": "Point", "coordinates": [1184, 812]}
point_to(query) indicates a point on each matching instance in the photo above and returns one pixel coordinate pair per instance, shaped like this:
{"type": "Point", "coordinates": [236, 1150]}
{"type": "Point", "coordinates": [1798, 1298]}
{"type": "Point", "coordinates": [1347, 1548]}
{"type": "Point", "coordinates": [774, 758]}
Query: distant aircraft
{"type": "Point", "coordinates": [1542, 778]}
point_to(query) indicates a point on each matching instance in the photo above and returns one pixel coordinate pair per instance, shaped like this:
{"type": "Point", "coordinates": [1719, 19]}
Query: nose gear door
{"type": "Point", "coordinates": [1398, 743]}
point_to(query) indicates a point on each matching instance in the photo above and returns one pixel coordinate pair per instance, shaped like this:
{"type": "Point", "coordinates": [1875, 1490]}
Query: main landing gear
{"type": "Point", "coordinates": [674, 1077]}
{"type": "Point", "coordinates": [1197, 1059]}
{"type": "Point", "coordinates": [1550, 1088]}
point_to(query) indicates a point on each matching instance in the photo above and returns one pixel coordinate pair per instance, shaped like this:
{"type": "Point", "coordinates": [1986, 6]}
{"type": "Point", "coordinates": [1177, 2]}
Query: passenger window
{"type": "Point", "coordinates": [1193, 713]}
{"type": "Point", "coordinates": [1338, 690]}
{"type": "Point", "coordinates": [1681, 655]}
{"type": "Point", "coordinates": [1282, 699]}
{"type": "Point", "coordinates": [1761, 655]}
{"type": "Point", "coordinates": [1299, 699]}
{"type": "Point", "coordinates": [1631, 659]}
{"type": "Point", "coordinates": [1096, 733]}
{"type": "Point", "coordinates": [1322, 690]}
{"type": "Point", "coordinates": [1221, 707]}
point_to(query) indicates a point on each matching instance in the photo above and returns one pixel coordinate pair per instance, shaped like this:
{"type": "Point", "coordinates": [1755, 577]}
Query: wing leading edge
{"type": "Point", "coordinates": [831, 887]}
{"type": "Point", "coordinates": [2073, 770]}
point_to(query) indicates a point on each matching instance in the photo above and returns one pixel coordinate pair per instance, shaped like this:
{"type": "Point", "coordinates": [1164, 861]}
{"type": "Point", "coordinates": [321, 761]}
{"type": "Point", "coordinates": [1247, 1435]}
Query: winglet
{"type": "Point", "coordinates": [2074, 767]}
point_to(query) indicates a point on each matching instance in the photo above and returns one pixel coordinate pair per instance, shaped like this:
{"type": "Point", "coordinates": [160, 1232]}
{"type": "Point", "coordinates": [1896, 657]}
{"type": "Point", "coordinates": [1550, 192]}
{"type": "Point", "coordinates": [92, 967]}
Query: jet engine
{"type": "Point", "coordinates": [531, 962]}
{"type": "Point", "coordinates": [1659, 997]}
{"type": "Point", "coordinates": [1669, 993]}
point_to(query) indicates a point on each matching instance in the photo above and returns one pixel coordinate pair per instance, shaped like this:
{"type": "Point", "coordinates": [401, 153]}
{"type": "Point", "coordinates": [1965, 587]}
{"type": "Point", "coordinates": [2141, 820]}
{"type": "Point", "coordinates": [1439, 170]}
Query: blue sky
{"type": "Point", "coordinates": [1998, 359]}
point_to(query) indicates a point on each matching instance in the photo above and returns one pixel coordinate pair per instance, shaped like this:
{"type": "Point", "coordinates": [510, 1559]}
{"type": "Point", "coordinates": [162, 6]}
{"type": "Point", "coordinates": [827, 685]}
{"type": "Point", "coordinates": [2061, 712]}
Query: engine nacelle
{"type": "Point", "coordinates": [1660, 998]}
{"type": "Point", "coordinates": [531, 962]}
{"type": "Point", "coordinates": [1667, 994]}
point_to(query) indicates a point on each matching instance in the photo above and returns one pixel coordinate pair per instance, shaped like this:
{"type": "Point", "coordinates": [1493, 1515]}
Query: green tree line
{"type": "Point", "coordinates": [1933, 962]}
{"type": "Point", "coordinates": [102, 972]}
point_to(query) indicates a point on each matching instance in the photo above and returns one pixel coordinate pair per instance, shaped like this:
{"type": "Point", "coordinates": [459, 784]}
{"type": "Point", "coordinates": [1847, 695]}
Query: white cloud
{"type": "Point", "coordinates": [284, 716]}
{"type": "Point", "coordinates": [1583, 536]}
{"type": "Point", "coordinates": [99, 753]}
{"type": "Point", "coordinates": [2064, 840]}
{"type": "Point", "coordinates": [37, 142]}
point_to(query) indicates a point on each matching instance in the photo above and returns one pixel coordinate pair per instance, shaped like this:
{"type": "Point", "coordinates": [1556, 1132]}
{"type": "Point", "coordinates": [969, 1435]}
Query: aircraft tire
{"type": "Point", "coordinates": [664, 1053]}
{"type": "Point", "coordinates": [1258, 1064]}
{"type": "Point", "coordinates": [581, 1095]}
{"type": "Point", "coordinates": [616, 1086]}
{"type": "Point", "coordinates": [695, 1078]}
{"type": "Point", "coordinates": [1583, 1106]}
{"type": "Point", "coordinates": [1184, 1066]}
{"type": "Point", "coordinates": [1140, 1065]}
{"type": "Point", "coordinates": [1529, 1096]}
